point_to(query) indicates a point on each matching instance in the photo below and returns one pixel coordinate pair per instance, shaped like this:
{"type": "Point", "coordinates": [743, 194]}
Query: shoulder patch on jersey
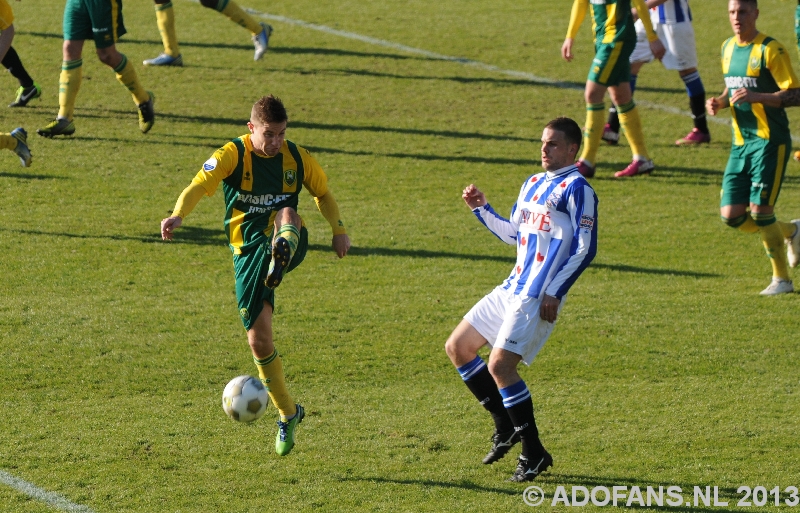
{"type": "Point", "coordinates": [210, 164]}
{"type": "Point", "coordinates": [587, 222]}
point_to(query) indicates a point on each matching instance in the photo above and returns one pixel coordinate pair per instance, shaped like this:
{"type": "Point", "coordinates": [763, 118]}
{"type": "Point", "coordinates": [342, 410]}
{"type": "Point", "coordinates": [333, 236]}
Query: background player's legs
{"type": "Point", "coordinates": [462, 348]}
{"type": "Point", "coordinates": [632, 125]}
{"type": "Point", "coordinates": [259, 31]}
{"type": "Point", "coordinates": [69, 83]}
{"type": "Point", "coordinates": [17, 141]}
{"type": "Point", "coordinates": [165, 18]}
{"type": "Point", "coordinates": [593, 129]}
{"type": "Point", "coordinates": [611, 130]}
{"type": "Point", "coordinates": [28, 89]}
{"type": "Point", "coordinates": [126, 75]}
{"type": "Point", "coordinates": [697, 102]}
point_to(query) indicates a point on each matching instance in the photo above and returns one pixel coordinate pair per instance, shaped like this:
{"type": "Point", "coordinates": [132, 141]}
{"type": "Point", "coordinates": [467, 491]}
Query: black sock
{"type": "Point", "coordinates": [522, 416]}
{"type": "Point", "coordinates": [613, 118]}
{"type": "Point", "coordinates": [14, 66]}
{"type": "Point", "coordinates": [698, 105]}
{"type": "Point", "coordinates": [483, 387]}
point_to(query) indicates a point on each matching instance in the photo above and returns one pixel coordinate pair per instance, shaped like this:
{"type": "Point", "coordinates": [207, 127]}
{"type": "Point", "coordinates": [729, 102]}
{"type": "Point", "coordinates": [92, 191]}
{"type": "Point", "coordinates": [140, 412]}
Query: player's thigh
{"type": "Point", "coordinates": [488, 313]}
{"type": "Point", "coordinates": [250, 269]}
{"type": "Point", "coordinates": [611, 65]}
{"type": "Point", "coordinates": [736, 181]}
{"type": "Point", "coordinates": [106, 19]}
{"type": "Point", "coordinates": [463, 343]}
{"type": "Point", "coordinates": [641, 52]}
{"type": "Point", "coordinates": [768, 168]}
{"type": "Point", "coordinates": [523, 331]}
{"type": "Point", "coordinates": [77, 23]}
{"type": "Point", "coordinates": [678, 39]}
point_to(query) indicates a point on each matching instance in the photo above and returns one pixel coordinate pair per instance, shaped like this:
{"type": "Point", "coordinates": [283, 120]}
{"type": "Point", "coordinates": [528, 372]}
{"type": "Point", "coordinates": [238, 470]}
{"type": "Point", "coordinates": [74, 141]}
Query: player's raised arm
{"type": "Point", "coordinates": [473, 197]}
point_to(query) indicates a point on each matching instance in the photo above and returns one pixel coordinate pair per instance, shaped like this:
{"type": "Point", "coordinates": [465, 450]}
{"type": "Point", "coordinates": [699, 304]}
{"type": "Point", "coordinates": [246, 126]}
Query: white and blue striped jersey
{"type": "Point", "coordinates": [554, 226]}
{"type": "Point", "coordinates": [671, 11]}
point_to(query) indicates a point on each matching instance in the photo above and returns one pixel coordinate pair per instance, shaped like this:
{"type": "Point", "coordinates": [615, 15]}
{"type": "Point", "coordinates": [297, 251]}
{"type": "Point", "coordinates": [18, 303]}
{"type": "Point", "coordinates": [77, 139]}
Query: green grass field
{"type": "Point", "coordinates": [666, 367]}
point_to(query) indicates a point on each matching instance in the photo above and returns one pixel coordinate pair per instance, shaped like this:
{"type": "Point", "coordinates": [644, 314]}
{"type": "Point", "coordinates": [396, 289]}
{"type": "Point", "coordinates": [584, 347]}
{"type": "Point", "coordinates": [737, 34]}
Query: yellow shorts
{"type": "Point", "coordinates": [6, 15]}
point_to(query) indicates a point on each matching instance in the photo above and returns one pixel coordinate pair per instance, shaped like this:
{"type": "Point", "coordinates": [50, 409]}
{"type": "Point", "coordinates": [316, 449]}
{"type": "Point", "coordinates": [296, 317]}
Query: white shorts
{"type": "Point", "coordinates": [511, 322]}
{"type": "Point", "coordinates": [678, 39]}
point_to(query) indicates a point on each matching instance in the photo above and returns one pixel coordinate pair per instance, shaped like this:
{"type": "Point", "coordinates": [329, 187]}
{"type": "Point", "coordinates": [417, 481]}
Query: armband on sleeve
{"type": "Point", "coordinates": [188, 199]}
{"type": "Point", "coordinates": [330, 210]}
{"type": "Point", "coordinates": [579, 8]}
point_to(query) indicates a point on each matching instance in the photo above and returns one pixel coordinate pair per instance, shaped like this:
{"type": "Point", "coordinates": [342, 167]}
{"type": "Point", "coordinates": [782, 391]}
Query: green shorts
{"type": "Point", "coordinates": [754, 173]}
{"type": "Point", "coordinates": [611, 65]}
{"type": "Point", "coordinates": [251, 269]}
{"type": "Point", "coordinates": [100, 20]}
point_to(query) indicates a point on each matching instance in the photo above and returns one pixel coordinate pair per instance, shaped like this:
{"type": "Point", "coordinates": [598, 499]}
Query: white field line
{"type": "Point", "coordinates": [468, 62]}
{"type": "Point", "coordinates": [53, 499]}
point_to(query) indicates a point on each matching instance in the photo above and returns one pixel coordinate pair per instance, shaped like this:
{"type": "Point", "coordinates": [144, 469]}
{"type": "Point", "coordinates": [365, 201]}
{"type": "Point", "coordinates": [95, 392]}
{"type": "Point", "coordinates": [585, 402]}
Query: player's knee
{"type": "Point", "coordinates": [734, 222]}
{"type": "Point", "coordinates": [211, 4]}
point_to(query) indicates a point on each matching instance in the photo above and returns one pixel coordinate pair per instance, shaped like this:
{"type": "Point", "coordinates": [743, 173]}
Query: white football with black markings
{"type": "Point", "coordinates": [245, 398]}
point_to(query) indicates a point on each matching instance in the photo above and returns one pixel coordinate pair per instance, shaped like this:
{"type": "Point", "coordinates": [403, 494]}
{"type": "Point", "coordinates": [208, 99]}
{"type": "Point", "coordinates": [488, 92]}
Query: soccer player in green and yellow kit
{"type": "Point", "coordinates": [262, 174]}
{"type": "Point", "coordinates": [100, 21]}
{"type": "Point", "coordinates": [759, 83]}
{"type": "Point", "coordinates": [165, 17]}
{"type": "Point", "coordinates": [615, 39]}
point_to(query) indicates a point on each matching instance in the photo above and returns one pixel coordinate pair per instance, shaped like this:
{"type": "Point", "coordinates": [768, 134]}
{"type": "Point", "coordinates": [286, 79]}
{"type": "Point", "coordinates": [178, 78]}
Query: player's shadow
{"type": "Point", "coordinates": [414, 253]}
{"type": "Point", "coordinates": [408, 131]}
{"type": "Point", "coordinates": [294, 50]}
{"type": "Point", "coordinates": [651, 270]}
{"type": "Point", "coordinates": [420, 156]}
{"type": "Point", "coordinates": [188, 235]}
{"type": "Point", "coordinates": [28, 176]}
{"type": "Point", "coordinates": [429, 483]}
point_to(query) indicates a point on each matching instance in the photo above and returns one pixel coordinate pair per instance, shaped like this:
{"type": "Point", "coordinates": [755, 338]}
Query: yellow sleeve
{"type": "Point", "coordinates": [780, 65]}
{"type": "Point", "coordinates": [188, 199]}
{"type": "Point", "coordinates": [644, 15]}
{"type": "Point", "coordinates": [579, 8]}
{"type": "Point", "coordinates": [217, 168]}
{"type": "Point", "coordinates": [316, 182]}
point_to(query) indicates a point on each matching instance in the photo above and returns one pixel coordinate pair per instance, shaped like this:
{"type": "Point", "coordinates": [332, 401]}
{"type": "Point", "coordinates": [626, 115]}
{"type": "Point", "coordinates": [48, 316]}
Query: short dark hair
{"type": "Point", "coordinates": [571, 130]}
{"type": "Point", "coordinates": [269, 109]}
{"type": "Point", "coordinates": [753, 2]}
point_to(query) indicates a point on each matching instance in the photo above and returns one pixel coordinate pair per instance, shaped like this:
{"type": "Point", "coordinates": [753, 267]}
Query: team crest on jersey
{"type": "Point", "coordinates": [289, 176]}
{"type": "Point", "coordinates": [587, 222]}
{"type": "Point", "coordinates": [755, 62]}
{"type": "Point", "coordinates": [210, 164]}
{"type": "Point", "coordinates": [553, 200]}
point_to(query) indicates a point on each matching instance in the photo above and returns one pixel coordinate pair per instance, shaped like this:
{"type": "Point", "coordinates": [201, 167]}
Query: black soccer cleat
{"type": "Point", "coordinates": [281, 255]}
{"type": "Point", "coordinates": [501, 444]}
{"type": "Point", "coordinates": [528, 469]}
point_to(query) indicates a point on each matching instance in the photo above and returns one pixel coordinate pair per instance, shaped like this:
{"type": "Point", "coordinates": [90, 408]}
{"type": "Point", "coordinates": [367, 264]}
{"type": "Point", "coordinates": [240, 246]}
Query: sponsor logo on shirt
{"type": "Point", "coordinates": [537, 220]}
{"type": "Point", "coordinates": [737, 82]}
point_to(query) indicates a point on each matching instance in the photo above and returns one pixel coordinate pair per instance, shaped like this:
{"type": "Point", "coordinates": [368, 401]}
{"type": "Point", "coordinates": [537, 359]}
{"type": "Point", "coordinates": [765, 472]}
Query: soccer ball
{"type": "Point", "coordinates": [245, 398]}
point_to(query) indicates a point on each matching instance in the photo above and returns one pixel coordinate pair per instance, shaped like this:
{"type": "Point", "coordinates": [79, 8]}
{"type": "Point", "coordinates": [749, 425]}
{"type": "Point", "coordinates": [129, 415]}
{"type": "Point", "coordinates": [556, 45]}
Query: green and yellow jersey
{"type": "Point", "coordinates": [611, 20]}
{"type": "Point", "coordinates": [762, 66]}
{"type": "Point", "coordinates": [256, 187]}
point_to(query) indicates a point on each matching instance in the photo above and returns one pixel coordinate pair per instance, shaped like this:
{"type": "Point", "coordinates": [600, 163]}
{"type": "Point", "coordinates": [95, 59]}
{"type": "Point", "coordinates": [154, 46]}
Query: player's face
{"type": "Point", "coordinates": [267, 137]}
{"type": "Point", "coordinates": [556, 152]}
{"type": "Point", "coordinates": [743, 16]}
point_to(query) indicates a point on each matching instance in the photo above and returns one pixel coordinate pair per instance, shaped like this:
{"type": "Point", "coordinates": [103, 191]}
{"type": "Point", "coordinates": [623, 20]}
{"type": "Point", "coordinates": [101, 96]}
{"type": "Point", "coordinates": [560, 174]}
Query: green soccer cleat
{"type": "Point", "coordinates": [285, 439]}
{"type": "Point", "coordinates": [22, 150]}
{"type": "Point", "coordinates": [59, 126]}
{"type": "Point", "coordinates": [147, 116]}
{"type": "Point", "coordinates": [26, 94]}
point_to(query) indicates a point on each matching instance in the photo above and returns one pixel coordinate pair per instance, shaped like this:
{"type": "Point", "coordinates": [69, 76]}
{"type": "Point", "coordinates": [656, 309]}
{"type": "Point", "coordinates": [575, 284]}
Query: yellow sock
{"type": "Point", "coordinates": [68, 85]}
{"type": "Point", "coordinates": [165, 17]}
{"type": "Point", "coordinates": [270, 370]}
{"type": "Point", "coordinates": [748, 226]}
{"type": "Point", "coordinates": [787, 229]}
{"type": "Point", "coordinates": [8, 142]}
{"type": "Point", "coordinates": [632, 125]}
{"type": "Point", "coordinates": [593, 131]}
{"type": "Point", "coordinates": [772, 238]}
{"type": "Point", "coordinates": [237, 15]}
{"type": "Point", "coordinates": [292, 235]}
{"type": "Point", "coordinates": [126, 75]}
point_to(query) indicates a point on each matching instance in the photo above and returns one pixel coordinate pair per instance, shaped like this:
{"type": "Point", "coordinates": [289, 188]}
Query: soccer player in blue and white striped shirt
{"type": "Point", "coordinates": [554, 227]}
